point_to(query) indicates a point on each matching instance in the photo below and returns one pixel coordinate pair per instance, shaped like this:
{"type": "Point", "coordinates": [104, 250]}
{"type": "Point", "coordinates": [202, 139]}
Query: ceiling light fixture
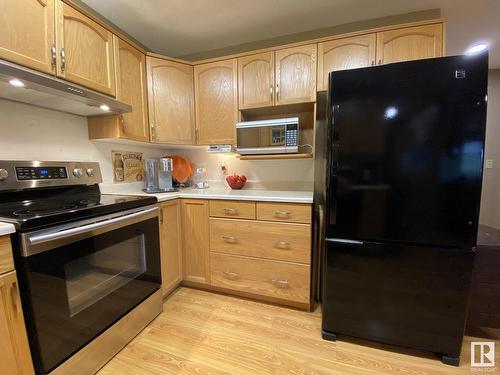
{"type": "Point", "coordinates": [476, 48]}
{"type": "Point", "coordinates": [16, 82]}
{"type": "Point", "coordinates": [104, 107]}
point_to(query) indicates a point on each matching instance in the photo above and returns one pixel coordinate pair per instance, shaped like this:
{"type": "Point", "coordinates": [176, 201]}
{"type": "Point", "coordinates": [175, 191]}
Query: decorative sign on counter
{"type": "Point", "coordinates": [127, 166]}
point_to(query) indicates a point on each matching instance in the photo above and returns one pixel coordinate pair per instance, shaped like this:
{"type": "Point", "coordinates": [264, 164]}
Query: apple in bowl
{"type": "Point", "coordinates": [235, 181]}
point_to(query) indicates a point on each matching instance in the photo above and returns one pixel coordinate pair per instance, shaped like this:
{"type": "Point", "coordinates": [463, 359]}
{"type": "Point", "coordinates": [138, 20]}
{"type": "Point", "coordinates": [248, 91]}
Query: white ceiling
{"type": "Point", "coordinates": [183, 27]}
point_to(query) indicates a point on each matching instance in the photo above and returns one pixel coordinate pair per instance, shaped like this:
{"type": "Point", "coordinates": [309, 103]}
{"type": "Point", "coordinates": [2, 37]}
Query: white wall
{"type": "Point", "coordinates": [490, 200]}
{"type": "Point", "coordinates": [32, 133]}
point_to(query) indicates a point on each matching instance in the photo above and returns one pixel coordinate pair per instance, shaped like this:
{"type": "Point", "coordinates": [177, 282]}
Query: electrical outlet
{"type": "Point", "coordinates": [489, 164]}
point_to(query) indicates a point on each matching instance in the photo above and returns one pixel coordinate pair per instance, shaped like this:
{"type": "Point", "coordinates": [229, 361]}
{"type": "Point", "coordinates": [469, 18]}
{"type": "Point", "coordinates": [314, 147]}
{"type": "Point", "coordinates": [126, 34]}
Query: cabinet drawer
{"type": "Point", "coordinates": [234, 209]}
{"type": "Point", "coordinates": [280, 241]}
{"type": "Point", "coordinates": [261, 276]}
{"type": "Point", "coordinates": [288, 212]}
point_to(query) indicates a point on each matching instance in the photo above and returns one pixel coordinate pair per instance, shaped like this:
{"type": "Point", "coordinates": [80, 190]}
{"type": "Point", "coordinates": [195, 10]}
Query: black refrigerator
{"type": "Point", "coordinates": [405, 147]}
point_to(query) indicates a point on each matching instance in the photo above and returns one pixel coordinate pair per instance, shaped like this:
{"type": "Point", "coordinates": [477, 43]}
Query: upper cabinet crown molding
{"type": "Point", "coordinates": [410, 43]}
{"type": "Point", "coordinates": [346, 53]}
{"type": "Point", "coordinates": [296, 74]}
{"type": "Point", "coordinates": [171, 101]}
{"type": "Point", "coordinates": [216, 101]}
{"type": "Point", "coordinates": [27, 35]}
{"type": "Point", "coordinates": [256, 84]}
{"type": "Point", "coordinates": [85, 50]}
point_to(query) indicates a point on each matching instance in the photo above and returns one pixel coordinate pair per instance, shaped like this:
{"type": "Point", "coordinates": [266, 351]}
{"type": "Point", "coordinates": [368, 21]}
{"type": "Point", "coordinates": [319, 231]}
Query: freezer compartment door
{"type": "Point", "coordinates": [403, 295]}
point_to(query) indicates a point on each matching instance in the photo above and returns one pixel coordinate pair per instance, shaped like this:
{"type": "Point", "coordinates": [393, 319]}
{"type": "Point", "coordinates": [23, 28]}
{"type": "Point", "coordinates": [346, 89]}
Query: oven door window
{"type": "Point", "coordinates": [78, 290]}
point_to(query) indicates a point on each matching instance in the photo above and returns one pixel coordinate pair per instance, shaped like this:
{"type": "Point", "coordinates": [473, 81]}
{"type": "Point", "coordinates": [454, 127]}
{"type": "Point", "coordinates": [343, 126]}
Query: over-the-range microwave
{"type": "Point", "coordinates": [277, 136]}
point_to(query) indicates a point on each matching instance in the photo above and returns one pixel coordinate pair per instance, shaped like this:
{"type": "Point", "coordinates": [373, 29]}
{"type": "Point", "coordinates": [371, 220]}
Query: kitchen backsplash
{"type": "Point", "coordinates": [29, 132]}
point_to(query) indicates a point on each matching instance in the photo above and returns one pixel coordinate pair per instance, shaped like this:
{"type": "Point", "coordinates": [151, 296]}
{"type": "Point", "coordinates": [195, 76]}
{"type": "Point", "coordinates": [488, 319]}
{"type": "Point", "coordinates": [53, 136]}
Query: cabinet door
{"type": "Point", "coordinates": [256, 80]}
{"type": "Point", "coordinates": [296, 75]}
{"type": "Point", "coordinates": [410, 43]}
{"type": "Point", "coordinates": [195, 239]}
{"type": "Point", "coordinates": [345, 53]}
{"type": "Point", "coordinates": [130, 69]}
{"type": "Point", "coordinates": [171, 101]}
{"type": "Point", "coordinates": [27, 34]}
{"type": "Point", "coordinates": [15, 356]}
{"type": "Point", "coordinates": [171, 254]}
{"type": "Point", "coordinates": [216, 99]}
{"type": "Point", "coordinates": [85, 50]}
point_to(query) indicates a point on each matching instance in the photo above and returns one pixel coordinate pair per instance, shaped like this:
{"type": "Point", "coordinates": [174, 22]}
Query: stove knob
{"type": "Point", "coordinates": [3, 174]}
{"type": "Point", "coordinates": [90, 172]}
{"type": "Point", "coordinates": [77, 172]}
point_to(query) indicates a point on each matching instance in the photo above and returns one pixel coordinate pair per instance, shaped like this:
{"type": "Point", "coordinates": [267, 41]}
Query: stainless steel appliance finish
{"type": "Point", "coordinates": [47, 91]}
{"type": "Point", "coordinates": [43, 240]}
{"type": "Point", "coordinates": [278, 136]}
{"type": "Point", "coordinates": [159, 176]}
{"type": "Point", "coordinates": [24, 174]}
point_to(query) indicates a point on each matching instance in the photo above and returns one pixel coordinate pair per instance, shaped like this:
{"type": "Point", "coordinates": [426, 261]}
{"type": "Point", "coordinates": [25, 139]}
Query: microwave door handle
{"type": "Point", "coordinates": [39, 242]}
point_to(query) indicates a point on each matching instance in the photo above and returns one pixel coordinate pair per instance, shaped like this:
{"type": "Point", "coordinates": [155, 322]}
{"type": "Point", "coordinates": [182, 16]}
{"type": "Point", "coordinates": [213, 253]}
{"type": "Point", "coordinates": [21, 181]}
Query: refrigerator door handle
{"type": "Point", "coordinates": [340, 240]}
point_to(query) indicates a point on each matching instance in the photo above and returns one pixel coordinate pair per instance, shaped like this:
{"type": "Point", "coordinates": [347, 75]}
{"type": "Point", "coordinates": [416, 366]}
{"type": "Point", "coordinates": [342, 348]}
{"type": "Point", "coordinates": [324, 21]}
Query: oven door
{"type": "Point", "coordinates": [80, 278]}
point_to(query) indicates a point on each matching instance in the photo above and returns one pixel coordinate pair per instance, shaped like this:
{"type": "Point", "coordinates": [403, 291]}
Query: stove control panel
{"type": "Point", "coordinates": [20, 174]}
{"type": "Point", "coordinates": [39, 173]}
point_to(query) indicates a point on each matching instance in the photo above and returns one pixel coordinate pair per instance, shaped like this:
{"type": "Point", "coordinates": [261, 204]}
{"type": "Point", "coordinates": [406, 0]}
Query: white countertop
{"type": "Point", "coordinates": [6, 228]}
{"type": "Point", "coordinates": [218, 193]}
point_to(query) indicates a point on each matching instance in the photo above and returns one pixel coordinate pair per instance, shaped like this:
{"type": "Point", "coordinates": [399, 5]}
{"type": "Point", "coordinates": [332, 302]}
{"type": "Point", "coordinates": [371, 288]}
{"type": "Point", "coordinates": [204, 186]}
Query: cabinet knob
{"type": "Point", "coordinates": [230, 211]}
{"type": "Point", "coordinates": [282, 244]}
{"type": "Point", "coordinates": [230, 239]}
{"type": "Point", "coordinates": [283, 284]}
{"type": "Point", "coordinates": [282, 214]}
{"type": "Point", "coordinates": [53, 55]}
{"type": "Point", "coordinates": [231, 275]}
{"type": "Point", "coordinates": [63, 60]}
{"type": "Point", "coordinates": [380, 61]}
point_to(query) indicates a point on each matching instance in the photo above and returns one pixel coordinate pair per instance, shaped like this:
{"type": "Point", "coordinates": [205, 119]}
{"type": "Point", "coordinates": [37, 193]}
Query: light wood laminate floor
{"type": "Point", "coordinates": [206, 333]}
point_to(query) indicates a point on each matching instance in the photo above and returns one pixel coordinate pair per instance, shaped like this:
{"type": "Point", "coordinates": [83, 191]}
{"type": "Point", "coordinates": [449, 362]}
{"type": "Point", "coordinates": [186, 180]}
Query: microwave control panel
{"type": "Point", "coordinates": [292, 135]}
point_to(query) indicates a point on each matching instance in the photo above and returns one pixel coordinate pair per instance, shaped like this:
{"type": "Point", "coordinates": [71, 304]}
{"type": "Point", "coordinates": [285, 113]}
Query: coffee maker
{"type": "Point", "coordinates": [159, 175]}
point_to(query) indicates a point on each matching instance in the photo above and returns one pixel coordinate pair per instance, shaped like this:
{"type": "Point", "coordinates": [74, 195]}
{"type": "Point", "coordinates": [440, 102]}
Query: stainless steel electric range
{"type": "Point", "coordinates": [83, 259]}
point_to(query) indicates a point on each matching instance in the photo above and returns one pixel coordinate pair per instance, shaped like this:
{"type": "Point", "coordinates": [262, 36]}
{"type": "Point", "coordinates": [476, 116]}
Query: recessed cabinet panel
{"type": "Point", "coordinates": [410, 43]}
{"type": "Point", "coordinates": [171, 102]}
{"type": "Point", "coordinates": [345, 53]}
{"type": "Point", "coordinates": [216, 99]}
{"type": "Point", "coordinates": [256, 80]}
{"type": "Point", "coordinates": [85, 50]}
{"type": "Point", "coordinates": [296, 74]}
{"type": "Point", "coordinates": [131, 89]}
{"type": "Point", "coordinates": [27, 33]}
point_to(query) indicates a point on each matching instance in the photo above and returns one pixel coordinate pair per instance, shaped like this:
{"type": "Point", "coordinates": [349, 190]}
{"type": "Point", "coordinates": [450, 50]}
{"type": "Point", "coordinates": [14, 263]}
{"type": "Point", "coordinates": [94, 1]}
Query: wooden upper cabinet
{"type": "Point", "coordinates": [171, 101]}
{"type": "Point", "coordinates": [216, 99]}
{"type": "Point", "coordinates": [85, 50]}
{"type": "Point", "coordinates": [345, 53]}
{"type": "Point", "coordinates": [130, 71]}
{"type": "Point", "coordinates": [296, 74]}
{"type": "Point", "coordinates": [15, 356]}
{"type": "Point", "coordinates": [256, 80]}
{"type": "Point", "coordinates": [410, 43]}
{"type": "Point", "coordinates": [27, 33]}
{"type": "Point", "coordinates": [195, 240]}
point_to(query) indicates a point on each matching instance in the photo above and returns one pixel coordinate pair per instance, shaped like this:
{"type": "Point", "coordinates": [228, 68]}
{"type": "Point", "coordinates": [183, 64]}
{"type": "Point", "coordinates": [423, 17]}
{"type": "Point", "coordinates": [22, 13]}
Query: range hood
{"type": "Point", "coordinates": [44, 90]}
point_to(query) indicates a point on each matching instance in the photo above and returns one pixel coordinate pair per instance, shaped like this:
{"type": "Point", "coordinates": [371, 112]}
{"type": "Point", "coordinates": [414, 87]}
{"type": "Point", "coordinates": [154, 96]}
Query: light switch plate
{"type": "Point", "coordinates": [488, 164]}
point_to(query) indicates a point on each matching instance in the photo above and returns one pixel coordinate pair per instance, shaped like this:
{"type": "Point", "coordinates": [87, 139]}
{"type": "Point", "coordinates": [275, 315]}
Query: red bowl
{"type": "Point", "coordinates": [236, 185]}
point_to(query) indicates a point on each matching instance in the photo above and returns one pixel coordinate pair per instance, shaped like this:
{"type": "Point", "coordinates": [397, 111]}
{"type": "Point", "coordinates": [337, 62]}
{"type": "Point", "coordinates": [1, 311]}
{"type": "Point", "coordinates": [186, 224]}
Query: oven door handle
{"type": "Point", "coordinates": [47, 239]}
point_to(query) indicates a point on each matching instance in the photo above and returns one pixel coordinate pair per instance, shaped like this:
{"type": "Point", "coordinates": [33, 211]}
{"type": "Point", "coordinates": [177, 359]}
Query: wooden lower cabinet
{"type": "Point", "coordinates": [15, 356]}
{"type": "Point", "coordinates": [278, 241]}
{"type": "Point", "coordinates": [280, 280]}
{"type": "Point", "coordinates": [171, 246]}
{"type": "Point", "coordinates": [195, 241]}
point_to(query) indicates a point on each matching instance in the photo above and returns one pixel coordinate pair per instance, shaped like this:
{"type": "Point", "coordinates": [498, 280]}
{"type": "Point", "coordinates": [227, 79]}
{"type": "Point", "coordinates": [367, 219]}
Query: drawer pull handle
{"type": "Point", "coordinates": [282, 214]}
{"type": "Point", "coordinates": [282, 244]}
{"type": "Point", "coordinates": [230, 239]}
{"type": "Point", "coordinates": [230, 211]}
{"type": "Point", "coordinates": [231, 275]}
{"type": "Point", "coordinates": [283, 284]}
